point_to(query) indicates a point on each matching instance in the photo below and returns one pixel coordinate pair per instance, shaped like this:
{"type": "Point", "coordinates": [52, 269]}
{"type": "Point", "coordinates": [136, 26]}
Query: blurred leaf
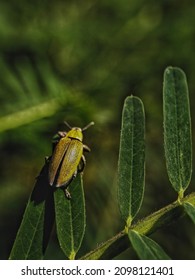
{"type": "Point", "coordinates": [131, 159]}
{"type": "Point", "coordinates": [33, 234]}
{"type": "Point", "coordinates": [30, 114]}
{"type": "Point", "coordinates": [146, 248]}
{"type": "Point", "coordinates": [177, 129]}
{"type": "Point", "coordinates": [190, 210]}
{"type": "Point", "coordinates": [70, 217]}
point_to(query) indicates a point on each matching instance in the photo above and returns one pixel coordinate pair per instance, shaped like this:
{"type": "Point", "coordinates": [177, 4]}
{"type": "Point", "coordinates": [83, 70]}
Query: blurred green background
{"type": "Point", "coordinates": [77, 61]}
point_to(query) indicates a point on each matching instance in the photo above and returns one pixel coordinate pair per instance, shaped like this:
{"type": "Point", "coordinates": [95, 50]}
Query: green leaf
{"type": "Point", "coordinates": [120, 242]}
{"type": "Point", "coordinates": [131, 164]}
{"type": "Point", "coordinates": [177, 129]}
{"type": "Point", "coordinates": [190, 210]}
{"type": "Point", "coordinates": [70, 217]}
{"type": "Point", "coordinates": [146, 248]}
{"type": "Point", "coordinates": [33, 234]}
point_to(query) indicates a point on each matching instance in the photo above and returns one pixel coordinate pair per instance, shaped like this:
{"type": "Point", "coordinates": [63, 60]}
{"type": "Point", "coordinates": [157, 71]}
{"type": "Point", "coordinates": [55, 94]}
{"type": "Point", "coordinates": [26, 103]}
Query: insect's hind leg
{"type": "Point", "coordinates": [66, 192]}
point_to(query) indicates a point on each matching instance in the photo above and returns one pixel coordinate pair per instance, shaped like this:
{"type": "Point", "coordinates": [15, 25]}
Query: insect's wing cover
{"type": "Point", "coordinates": [57, 157]}
{"type": "Point", "coordinates": [70, 162]}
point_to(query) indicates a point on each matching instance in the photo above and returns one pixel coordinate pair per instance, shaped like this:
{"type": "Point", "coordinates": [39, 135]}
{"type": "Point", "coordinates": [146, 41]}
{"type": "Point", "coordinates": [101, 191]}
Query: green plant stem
{"type": "Point", "coordinates": [148, 225]}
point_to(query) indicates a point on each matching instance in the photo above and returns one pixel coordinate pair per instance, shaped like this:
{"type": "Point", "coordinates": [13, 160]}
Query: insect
{"type": "Point", "coordinates": [67, 158]}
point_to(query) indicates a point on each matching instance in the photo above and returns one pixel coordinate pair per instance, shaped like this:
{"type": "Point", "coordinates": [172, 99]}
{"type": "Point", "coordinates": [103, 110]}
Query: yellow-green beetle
{"type": "Point", "coordinates": [67, 158]}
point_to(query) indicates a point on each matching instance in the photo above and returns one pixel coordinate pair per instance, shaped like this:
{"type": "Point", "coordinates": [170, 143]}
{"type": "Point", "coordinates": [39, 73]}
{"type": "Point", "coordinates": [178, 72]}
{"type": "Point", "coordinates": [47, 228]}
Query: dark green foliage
{"type": "Point", "coordinates": [32, 237]}
{"type": "Point", "coordinates": [33, 234]}
{"type": "Point", "coordinates": [63, 60]}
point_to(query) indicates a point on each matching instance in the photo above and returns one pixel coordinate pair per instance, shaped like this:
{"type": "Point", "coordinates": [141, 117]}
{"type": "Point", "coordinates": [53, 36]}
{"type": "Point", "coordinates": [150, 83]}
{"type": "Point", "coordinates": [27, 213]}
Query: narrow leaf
{"type": "Point", "coordinates": [177, 129]}
{"type": "Point", "coordinates": [70, 217]}
{"type": "Point", "coordinates": [131, 159]}
{"type": "Point", "coordinates": [190, 210]}
{"type": "Point", "coordinates": [120, 242]}
{"type": "Point", "coordinates": [33, 234]}
{"type": "Point", "coordinates": [146, 248]}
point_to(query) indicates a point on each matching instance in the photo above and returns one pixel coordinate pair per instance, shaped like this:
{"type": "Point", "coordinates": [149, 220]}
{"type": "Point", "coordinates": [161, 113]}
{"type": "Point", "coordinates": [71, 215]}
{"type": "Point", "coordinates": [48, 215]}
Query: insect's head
{"type": "Point", "coordinates": [77, 132]}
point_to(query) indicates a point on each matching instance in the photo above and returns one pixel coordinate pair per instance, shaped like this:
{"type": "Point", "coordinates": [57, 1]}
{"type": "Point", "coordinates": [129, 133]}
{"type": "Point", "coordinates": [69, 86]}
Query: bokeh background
{"type": "Point", "coordinates": [77, 61]}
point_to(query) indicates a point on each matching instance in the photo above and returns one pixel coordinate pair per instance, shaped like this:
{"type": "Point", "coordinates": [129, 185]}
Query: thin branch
{"type": "Point", "coordinates": [120, 242]}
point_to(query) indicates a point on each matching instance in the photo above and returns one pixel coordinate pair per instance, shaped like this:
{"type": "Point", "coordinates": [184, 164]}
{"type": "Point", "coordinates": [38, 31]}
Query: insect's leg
{"type": "Point", "coordinates": [82, 164]}
{"type": "Point", "coordinates": [62, 133]}
{"type": "Point", "coordinates": [67, 194]}
{"type": "Point", "coordinates": [47, 159]}
{"type": "Point", "coordinates": [86, 148]}
{"type": "Point", "coordinates": [56, 138]}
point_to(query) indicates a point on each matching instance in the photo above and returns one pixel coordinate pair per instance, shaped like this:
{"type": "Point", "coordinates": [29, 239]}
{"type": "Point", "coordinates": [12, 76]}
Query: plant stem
{"type": "Point", "coordinates": [120, 242]}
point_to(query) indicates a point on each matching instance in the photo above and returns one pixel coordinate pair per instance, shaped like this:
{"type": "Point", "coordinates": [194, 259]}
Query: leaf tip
{"type": "Point", "coordinates": [170, 70]}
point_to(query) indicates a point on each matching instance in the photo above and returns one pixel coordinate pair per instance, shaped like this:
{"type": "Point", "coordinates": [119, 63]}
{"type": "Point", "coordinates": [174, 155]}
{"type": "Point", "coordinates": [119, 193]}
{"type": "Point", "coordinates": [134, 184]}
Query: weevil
{"type": "Point", "coordinates": [67, 158]}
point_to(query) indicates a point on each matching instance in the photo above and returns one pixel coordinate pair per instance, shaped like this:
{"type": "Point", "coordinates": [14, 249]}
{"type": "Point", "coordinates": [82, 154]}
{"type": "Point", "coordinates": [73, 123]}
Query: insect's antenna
{"type": "Point", "coordinates": [87, 126]}
{"type": "Point", "coordinates": [67, 124]}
